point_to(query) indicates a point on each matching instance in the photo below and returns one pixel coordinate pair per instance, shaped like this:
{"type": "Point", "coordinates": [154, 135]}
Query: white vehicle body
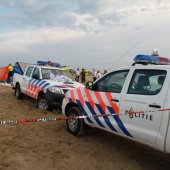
{"type": "Point", "coordinates": [36, 81]}
{"type": "Point", "coordinates": [123, 96]}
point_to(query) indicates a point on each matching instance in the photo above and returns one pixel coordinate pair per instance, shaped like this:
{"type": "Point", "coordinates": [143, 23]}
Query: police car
{"type": "Point", "coordinates": [46, 84]}
{"type": "Point", "coordinates": [142, 89]}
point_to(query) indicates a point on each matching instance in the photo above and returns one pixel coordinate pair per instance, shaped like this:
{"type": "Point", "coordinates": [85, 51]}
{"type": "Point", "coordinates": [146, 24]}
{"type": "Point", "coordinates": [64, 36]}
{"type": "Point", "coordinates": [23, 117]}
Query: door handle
{"type": "Point", "coordinates": [155, 106]}
{"type": "Point", "coordinates": [115, 100]}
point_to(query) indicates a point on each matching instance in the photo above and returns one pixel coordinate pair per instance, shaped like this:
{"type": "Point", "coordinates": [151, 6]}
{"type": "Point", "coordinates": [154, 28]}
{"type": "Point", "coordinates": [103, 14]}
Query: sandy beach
{"type": "Point", "coordinates": [42, 146]}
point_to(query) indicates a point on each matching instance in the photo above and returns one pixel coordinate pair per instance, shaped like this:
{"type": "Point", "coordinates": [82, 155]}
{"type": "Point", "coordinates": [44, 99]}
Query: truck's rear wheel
{"type": "Point", "coordinates": [42, 103]}
{"type": "Point", "coordinates": [75, 126]}
{"type": "Point", "coordinates": [18, 93]}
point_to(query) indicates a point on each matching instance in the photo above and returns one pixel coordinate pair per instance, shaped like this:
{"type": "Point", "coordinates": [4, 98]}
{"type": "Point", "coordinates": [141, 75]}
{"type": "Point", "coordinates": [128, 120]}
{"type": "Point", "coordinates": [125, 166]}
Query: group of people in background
{"type": "Point", "coordinates": [81, 75]}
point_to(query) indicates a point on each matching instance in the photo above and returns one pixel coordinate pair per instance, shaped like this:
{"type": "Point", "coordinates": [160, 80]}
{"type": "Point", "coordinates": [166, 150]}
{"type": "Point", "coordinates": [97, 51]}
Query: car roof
{"type": "Point", "coordinates": [141, 66]}
{"type": "Point", "coordinates": [46, 67]}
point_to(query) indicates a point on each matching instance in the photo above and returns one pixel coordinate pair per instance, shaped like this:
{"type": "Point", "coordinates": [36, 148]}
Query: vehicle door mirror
{"type": "Point", "coordinates": [89, 85]}
{"type": "Point", "coordinates": [35, 76]}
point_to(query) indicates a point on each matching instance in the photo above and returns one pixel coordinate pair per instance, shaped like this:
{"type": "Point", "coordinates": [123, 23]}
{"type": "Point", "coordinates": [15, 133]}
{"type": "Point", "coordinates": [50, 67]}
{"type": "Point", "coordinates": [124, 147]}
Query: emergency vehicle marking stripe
{"type": "Point", "coordinates": [94, 113]}
{"type": "Point", "coordinates": [83, 111]}
{"type": "Point", "coordinates": [113, 104]}
{"type": "Point", "coordinates": [80, 96]}
{"type": "Point", "coordinates": [107, 120]}
{"type": "Point", "coordinates": [33, 87]}
{"type": "Point", "coordinates": [45, 85]}
{"type": "Point", "coordinates": [90, 104]}
{"type": "Point", "coordinates": [29, 86]}
{"type": "Point", "coordinates": [100, 100]}
{"type": "Point", "coordinates": [72, 95]}
{"type": "Point", "coordinates": [90, 100]}
{"type": "Point", "coordinates": [36, 88]}
{"type": "Point", "coordinates": [119, 122]}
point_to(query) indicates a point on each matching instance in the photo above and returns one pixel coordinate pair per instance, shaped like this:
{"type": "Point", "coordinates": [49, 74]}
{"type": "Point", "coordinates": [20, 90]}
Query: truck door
{"type": "Point", "coordinates": [26, 79]}
{"type": "Point", "coordinates": [146, 92]}
{"type": "Point", "coordinates": [104, 98]}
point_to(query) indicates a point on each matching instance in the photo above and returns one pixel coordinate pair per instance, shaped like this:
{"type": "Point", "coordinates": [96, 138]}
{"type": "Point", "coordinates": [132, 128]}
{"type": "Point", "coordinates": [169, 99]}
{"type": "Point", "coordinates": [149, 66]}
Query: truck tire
{"type": "Point", "coordinates": [75, 126]}
{"type": "Point", "coordinates": [42, 103]}
{"type": "Point", "coordinates": [18, 93]}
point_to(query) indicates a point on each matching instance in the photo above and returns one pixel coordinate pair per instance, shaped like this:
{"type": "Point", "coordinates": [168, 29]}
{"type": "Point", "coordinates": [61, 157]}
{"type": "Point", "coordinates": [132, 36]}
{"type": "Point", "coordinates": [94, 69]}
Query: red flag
{"type": "Point", "coordinates": [4, 73]}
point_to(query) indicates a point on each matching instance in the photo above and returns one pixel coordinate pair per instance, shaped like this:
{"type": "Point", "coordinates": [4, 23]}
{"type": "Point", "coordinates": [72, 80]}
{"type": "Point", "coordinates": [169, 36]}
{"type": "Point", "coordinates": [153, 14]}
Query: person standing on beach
{"type": "Point", "coordinates": [77, 75]}
{"type": "Point", "coordinates": [94, 75]}
{"type": "Point", "coordinates": [98, 74]}
{"type": "Point", "coordinates": [10, 73]}
{"type": "Point", "coordinates": [83, 76]}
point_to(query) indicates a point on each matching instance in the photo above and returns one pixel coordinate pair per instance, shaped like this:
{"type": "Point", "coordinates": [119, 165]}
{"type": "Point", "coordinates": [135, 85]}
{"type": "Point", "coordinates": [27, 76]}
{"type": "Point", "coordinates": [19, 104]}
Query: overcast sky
{"type": "Point", "coordinates": [83, 33]}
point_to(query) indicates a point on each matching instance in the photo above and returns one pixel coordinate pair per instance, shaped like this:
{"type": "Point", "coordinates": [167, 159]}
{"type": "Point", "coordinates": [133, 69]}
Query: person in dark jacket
{"type": "Point", "coordinates": [83, 76]}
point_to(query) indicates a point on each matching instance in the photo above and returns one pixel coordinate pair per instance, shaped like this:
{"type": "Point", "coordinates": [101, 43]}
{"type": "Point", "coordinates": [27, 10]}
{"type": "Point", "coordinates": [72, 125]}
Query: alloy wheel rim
{"type": "Point", "coordinates": [42, 104]}
{"type": "Point", "coordinates": [73, 123]}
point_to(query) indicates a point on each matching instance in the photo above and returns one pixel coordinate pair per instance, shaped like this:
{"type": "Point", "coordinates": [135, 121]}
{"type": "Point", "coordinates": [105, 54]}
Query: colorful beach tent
{"type": "Point", "coordinates": [3, 73]}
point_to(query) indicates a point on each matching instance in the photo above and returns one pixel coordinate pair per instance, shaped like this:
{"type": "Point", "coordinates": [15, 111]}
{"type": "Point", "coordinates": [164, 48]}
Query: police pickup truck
{"type": "Point", "coordinates": [46, 84]}
{"type": "Point", "coordinates": [132, 102]}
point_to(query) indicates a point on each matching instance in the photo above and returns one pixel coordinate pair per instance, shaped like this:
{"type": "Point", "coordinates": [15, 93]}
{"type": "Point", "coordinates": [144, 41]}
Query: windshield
{"type": "Point", "coordinates": [51, 73]}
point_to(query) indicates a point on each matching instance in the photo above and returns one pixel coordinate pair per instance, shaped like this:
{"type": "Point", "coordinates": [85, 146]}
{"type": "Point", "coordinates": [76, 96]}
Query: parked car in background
{"type": "Point", "coordinates": [46, 84]}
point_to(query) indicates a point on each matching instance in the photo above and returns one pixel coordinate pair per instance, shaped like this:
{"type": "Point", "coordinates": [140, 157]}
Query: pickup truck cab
{"type": "Point", "coordinates": [142, 89]}
{"type": "Point", "coordinates": [46, 84]}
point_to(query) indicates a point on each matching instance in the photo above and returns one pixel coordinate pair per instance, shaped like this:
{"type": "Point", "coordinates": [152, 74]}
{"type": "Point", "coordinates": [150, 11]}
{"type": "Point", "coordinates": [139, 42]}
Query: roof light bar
{"type": "Point", "coordinates": [149, 59]}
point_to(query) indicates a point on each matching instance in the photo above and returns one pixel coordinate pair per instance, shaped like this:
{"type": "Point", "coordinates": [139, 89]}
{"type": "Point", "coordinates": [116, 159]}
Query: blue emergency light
{"type": "Point", "coordinates": [149, 59]}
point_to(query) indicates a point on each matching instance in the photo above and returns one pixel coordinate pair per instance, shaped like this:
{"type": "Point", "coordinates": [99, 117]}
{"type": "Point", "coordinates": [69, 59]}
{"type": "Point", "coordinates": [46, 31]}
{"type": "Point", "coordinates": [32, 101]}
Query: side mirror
{"type": "Point", "coordinates": [89, 85]}
{"type": "Point", "coordinates": [35, 77]}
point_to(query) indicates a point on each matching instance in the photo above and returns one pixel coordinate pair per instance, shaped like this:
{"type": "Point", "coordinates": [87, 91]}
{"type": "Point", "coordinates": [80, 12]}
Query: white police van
{"type": "Point", "coordinates": [46, 84]}
{"type": "Point", "coordinates": [142, 89]}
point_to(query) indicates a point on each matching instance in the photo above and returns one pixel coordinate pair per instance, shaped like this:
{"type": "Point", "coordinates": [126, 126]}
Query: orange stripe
{"type": "Point", "coordinates": [35, 91]}
{"type": "Point", "coordinates": [90, 100]}
{"type": "Point", "coordinates": [113, 104]}
{"type": "Point", "coordinates": [100, 100]}
{"type": "Point", "coordinates": [72, 95]}
{"type": "Point", "coordinates": [80, 96]}
{"type": "Point", "coordinates": [27, 90]}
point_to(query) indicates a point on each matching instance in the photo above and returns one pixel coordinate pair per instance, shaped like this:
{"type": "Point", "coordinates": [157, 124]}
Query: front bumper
{"type": "Point", "coordinates": [54, 99]}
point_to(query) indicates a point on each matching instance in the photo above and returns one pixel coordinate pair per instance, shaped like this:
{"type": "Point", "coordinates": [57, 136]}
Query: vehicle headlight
{"type": "Point", "coordinates": [54, 90]}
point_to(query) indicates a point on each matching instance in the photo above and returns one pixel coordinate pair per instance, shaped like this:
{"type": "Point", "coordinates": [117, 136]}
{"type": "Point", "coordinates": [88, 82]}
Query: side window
{"type": "Point", "coordinates": [36, 73]}
{"type": "Point", "coordinates": [147, 82]}
{"type": "Point", "coordinates": [29, 71]}
{"type": "Point", "coordinates": [112, 82]}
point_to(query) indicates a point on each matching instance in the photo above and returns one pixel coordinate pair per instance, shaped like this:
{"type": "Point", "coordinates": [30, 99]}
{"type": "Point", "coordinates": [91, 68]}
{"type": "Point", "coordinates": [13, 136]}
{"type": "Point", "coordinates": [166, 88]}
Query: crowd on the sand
{"type": "Point", "coordinates": [81, 75]}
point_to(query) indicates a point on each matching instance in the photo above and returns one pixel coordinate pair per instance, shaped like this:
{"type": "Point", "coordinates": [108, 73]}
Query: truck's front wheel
{"type": "Point", "coordinates": [18, 93]}
{"type": "Point", "coordinates": [42, 103]}
{"type": "Point", "coordinates": [75, 126]}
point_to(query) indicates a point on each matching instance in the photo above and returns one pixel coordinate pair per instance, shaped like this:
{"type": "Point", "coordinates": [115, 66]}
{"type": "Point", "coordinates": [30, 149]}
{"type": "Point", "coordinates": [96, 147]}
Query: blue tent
{"type": "Point", "coordinates": [17, 69]}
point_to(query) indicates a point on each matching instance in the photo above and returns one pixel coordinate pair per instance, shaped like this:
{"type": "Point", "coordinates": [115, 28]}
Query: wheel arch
{"type": "Point", "coordinates": [16, 84]}
{"type": "Point", "coordinates": [41, 93]}
{"type": "Point", "coordinates": [70, 105]}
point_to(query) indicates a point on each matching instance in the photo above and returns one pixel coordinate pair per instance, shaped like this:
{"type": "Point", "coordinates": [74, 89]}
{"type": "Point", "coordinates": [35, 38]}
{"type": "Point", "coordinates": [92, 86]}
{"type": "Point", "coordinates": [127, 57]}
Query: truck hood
{"type": "Point", "coordinates": [64, 84]}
